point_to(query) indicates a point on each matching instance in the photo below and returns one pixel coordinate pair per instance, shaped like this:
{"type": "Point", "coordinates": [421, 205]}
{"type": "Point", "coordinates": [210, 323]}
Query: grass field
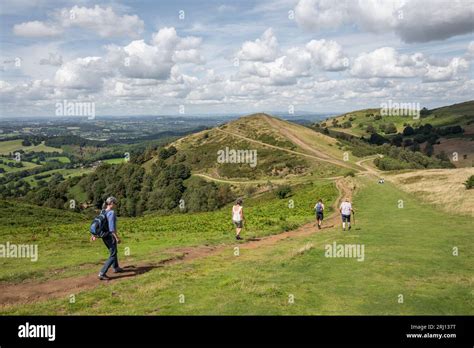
{"type": "Point", "coordinates": [62, 159]}
{"type": "Point", "coordinates": [115, 160]}
{"type": "Point", "coordinates": [67, 245]}
{"type": "Point", "coordinates": [10, 146]}
{"type": "Point", "coordinates": [66, 173]}
{"type": "Point", "coordinates": [408, 252]}
{"type": "Point", "coordinates": [26, 165]}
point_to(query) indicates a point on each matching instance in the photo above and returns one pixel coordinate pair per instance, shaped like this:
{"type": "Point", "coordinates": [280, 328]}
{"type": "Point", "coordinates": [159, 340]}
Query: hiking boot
{"type": "Point", "coordinates": [319, 226]}
{"type": "Point", "coordinates": [238, 238]}
{"type": "Point", "coordinates": [118, 270]}
{"type": "Point", "coordinates": [350, 227]}
{"type": "Point", "coordinates": [103, 277]}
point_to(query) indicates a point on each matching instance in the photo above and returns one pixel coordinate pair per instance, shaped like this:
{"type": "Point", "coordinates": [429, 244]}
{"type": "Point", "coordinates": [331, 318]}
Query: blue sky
{"type": "Point", "coordinates": [218, 57]}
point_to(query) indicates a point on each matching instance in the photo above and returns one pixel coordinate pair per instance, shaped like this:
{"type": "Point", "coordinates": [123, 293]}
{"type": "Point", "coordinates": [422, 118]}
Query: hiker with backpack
{"type": "Point", "coordinates": [238, 217]}
{"type": "Point", "coordinates": [105, 226]}
{"type": "Point", "coordinates": [319, 208]}
{"type": "Point", "coordinates": [346, 210]}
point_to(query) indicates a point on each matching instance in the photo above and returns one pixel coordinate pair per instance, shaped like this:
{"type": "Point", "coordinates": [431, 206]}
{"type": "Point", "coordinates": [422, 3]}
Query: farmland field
{"type": "Point", "coordinates": [10, 146]}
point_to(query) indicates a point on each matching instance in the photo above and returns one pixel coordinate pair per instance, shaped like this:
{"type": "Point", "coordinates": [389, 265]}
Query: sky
{"type": "Point", "coordinates": [223, 57]}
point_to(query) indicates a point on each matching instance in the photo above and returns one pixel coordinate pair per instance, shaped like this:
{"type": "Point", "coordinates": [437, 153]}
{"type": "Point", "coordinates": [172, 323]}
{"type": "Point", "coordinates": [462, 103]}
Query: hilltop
{"type": "Point", "coordinates": [284, 150]}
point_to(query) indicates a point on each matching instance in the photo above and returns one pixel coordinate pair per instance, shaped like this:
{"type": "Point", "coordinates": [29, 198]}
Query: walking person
{"type": "Point", "coordinates": [346, 210]}
{"type": "Point", "coordinates": [238, 217]}
{"type": "Point", "coordinates": [319, 207]}
{"type": "Point", "coordinates": [111, 238]}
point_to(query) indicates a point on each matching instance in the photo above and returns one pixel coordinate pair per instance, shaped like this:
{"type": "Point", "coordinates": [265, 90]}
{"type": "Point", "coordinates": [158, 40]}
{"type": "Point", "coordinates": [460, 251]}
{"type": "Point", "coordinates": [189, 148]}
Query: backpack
{"type": "Point", "coordinates": [319, 208]}
{"type": "Point", "coordinates": [99, 227]}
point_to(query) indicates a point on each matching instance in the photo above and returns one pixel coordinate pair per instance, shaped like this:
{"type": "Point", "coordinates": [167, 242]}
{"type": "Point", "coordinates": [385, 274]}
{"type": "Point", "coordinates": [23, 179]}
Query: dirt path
{"type": "Point", "coordinates": [303, 144]}
{"type": "Point", "coordinates": [368, 168]}
{"type": "Point", "coordinates": [34, 291]}
{"type": "Point", "coordinates": [237, 182]}
{"type": "Point", "coordinates": [323, 159]}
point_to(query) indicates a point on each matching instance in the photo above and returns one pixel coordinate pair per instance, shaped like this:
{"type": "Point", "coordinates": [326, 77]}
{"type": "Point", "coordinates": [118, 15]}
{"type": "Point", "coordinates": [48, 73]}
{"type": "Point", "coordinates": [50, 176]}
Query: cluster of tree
{"type": "Point", "coordinates": [161, 189]}
{"type": "Point", "coordinates": [61, 140]}
{"type": "Point", "coordinates": [396, 158]}
{"type": "Point", "coordinates": [41, 156]}
{"type": "Point", "coordinates": [14, 189]}
{"type": "Point", "coordinates": [15, 176]}
{"type": "Point", "coordinates": [12, 164]}
{"type": "Point", "coordinates": [31, 140]}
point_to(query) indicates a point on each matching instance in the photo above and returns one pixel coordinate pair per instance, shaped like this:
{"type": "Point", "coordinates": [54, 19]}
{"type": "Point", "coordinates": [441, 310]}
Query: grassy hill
{"type": "Point", "coordinates": [284, 150]}
{"type": "Point", "coordinates": [459, 146]}
{"type": "Point", "coordinates": [457, 114]}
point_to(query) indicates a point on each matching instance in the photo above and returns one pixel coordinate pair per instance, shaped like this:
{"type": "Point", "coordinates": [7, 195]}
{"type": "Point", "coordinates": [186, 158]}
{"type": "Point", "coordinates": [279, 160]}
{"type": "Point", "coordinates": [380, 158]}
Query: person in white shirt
{"type": "Point", "coordinates": [346, 210]}
{"type": "Point", "coordinates": [238, 217]}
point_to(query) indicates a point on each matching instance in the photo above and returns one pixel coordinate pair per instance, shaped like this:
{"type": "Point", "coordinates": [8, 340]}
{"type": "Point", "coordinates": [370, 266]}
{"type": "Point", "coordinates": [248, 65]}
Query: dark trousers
{"type": "Point", "coordinates": [111, 244]}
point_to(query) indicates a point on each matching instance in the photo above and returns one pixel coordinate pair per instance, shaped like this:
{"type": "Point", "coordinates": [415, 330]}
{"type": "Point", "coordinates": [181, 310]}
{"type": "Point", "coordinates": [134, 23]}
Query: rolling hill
{"type": "Point", "coordinates": [283, 149]}
{"type": "Point", "coordinates": [363, 122]}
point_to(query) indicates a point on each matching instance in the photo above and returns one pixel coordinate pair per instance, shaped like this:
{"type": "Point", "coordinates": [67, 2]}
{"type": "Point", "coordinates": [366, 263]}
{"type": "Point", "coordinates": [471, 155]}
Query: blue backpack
{"type": "Point", "coordinates": [100, 226]}
{"type": "Point", "coordinates": [319, 208]}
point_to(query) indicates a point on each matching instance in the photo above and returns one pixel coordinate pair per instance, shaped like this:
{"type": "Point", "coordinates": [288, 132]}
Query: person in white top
{"type": "Point", "coordinates": [238, 217]}
{"type": "Point", "coordinates": [346, 210]}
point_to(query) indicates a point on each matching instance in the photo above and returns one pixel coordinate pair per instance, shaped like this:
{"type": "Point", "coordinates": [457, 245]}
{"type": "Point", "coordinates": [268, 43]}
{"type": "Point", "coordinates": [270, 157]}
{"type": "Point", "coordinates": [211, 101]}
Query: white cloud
{"type": "Point", "coordinates": [54, 59]}
{"type": "Point", "coordinates": [446, 73]}
{"type": "Point", "coordinates": [470, 51]}
{"type": "Point", "coordinates": [82, 73]}
{"type": "Point", "coordinates": [411, 20]}
{"type": "Point", "coordinates": [328, 55]}
{"type": "Point", "coordinates": [102, 20]}
{"type": "Point", "coordinates": [155, 60]}
{"type": "Point", "coordinates": [263, 49]}
{"type": "Point", "coordinates": [36, 29]}
{"type": "Point", "coordinates": [386, 62]}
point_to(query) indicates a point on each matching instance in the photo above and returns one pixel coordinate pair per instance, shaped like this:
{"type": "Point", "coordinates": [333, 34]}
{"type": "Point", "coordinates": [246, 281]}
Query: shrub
{"type": "Point", "coordinates": [469, 182]}
{"type": "Point", "coordinates": [283, 191]}
{"type": "Point", "coordinates": [350, 173]}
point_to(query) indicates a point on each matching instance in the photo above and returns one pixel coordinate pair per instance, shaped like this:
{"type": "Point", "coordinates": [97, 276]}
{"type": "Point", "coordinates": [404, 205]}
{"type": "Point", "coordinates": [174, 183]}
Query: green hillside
{"type": "Point", "coordinates": [404, 256]}
{"type": "Point", "coordinates": [283, 150]}
{"type": "Point", "coordinates": [458, 114]}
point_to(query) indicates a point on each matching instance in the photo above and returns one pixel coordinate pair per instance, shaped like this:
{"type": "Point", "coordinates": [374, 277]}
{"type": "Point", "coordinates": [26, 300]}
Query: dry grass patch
{"type": "Point", "coordinates": [442, 187]}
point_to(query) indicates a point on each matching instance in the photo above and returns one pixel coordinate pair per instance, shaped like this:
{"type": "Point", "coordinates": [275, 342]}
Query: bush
{"type": "Point", "coordinates": [283, 191]}
{"type": "Point", "coordinates": [469, 182]}
{"type": "Point", "coordinates": [390, 129]}
{"type": "Point", "coordinates": [350, 173]}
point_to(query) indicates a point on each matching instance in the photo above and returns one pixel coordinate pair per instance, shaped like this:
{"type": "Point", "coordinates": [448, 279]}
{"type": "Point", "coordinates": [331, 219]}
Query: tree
{"type": "Point", "coordinates": [390, 129]}
{"type": "Point", "coordinates": [377, 139]}
{"type": "Point", "coordinates": [397, 140]}
{"type": "Point", "coordinates": [424, 112]}
{"type": "Point", "coordinates": [429, 149]}
{"type": "Point", "coordinates": [283, 191]}
{"type": "Point", "coordinates": [370, 129]}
